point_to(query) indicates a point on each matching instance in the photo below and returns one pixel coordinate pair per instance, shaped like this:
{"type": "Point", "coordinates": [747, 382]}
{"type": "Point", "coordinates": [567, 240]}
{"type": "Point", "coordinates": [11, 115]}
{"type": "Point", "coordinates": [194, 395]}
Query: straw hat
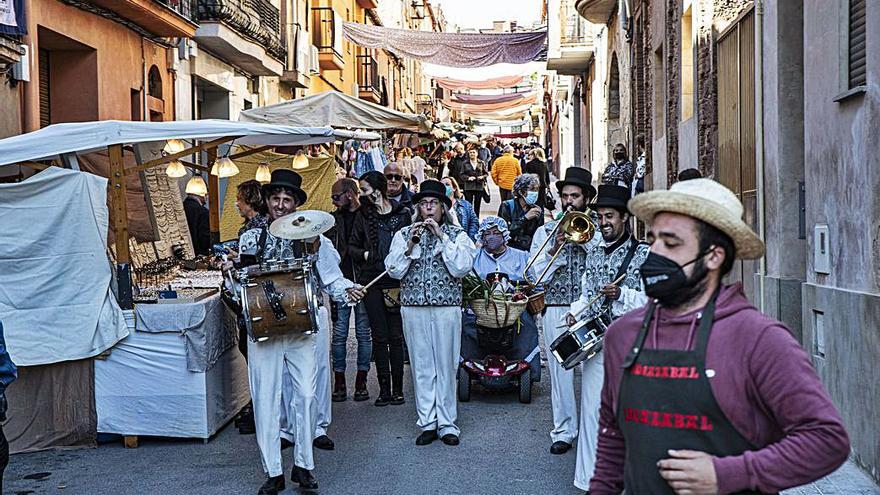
{"type": "Point", "coordinates": [706, 200]}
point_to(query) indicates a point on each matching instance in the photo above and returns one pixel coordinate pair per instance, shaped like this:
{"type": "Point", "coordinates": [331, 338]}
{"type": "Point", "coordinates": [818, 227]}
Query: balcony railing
{"type": "Point", "coordinates": [256, 19]}
{"type": "Point", "coordinates": [368, 73]}
{"type": "Point", "coordinates": [424, 104]}
{"type": "Point", "coordinates": [327, 34]}
{"type": "Point", "coordinates": [185, 8]}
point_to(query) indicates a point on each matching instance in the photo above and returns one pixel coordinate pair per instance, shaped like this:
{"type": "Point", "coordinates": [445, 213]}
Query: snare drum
{"type": "Point", "coordinates": [581, 342]}
{"type": "Point", "coordinates": [278, 298]}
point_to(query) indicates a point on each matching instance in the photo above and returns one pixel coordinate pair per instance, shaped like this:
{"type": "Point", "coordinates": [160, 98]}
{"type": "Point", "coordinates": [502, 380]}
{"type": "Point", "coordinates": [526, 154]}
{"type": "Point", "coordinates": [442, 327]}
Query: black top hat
{"type": "Point", "coordinates": [576, 176]}
{"type": "Point", "coordinates": [611, 196]}
{"type": "Point", "coordinates": [432, 189]}
{"type": "Point", "coordinates": [289, 180]}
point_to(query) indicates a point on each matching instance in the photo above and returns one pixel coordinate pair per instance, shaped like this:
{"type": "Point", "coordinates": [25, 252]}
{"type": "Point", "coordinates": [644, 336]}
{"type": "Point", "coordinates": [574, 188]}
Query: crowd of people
{"type": "Point", "coordinates": [664, 408]}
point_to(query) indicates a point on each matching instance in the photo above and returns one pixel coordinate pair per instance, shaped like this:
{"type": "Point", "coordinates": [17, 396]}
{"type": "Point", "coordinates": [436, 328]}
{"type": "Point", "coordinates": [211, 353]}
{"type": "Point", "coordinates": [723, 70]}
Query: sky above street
{"type": "Point", "coordinates": [481, 13]}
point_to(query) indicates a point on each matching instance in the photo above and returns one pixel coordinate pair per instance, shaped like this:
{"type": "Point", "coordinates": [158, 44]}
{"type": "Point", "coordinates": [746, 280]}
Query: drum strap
{"type": "Point", "coordinates": [624, 265]}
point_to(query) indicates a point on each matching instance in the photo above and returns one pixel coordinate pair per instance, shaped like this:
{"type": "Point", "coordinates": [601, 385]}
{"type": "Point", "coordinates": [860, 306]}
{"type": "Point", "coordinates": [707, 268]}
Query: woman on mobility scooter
{"type": "Point", "coordinates": [500, 355]}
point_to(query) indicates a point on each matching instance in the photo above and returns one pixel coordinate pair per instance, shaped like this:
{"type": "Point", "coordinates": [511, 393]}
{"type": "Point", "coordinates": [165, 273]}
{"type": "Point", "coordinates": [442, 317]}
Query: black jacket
{"type": "Point", "coordinates": [521, 229]}
{"type": "Point", "coordinates": [373, 233]}
{"type": "Point", "coordinates": [340, 235]}
{"type": "Point", "coordinates": [540, 169]}
{"type": "Point", "coordinates": [198, 220]}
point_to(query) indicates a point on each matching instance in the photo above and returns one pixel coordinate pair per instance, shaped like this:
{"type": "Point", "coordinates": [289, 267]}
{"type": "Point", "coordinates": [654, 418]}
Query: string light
{"type": "Point", "coordinates": [300, 161]}
{"type": "Point", "coordinates": [263, 173]}
{"type": "Point", "coordinates": [224, 167]}
{"type": "Point", "coordinates": [175, 169]}
{"type": "Point", "coordinates": [196, 185]}
{"type": "Point", "coordinates": [174, 146]}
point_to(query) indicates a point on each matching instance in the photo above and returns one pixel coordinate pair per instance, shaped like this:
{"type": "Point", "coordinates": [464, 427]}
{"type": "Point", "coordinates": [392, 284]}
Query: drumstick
{"type": "Point", "coordinates": [364, 288]}
{"type": "Point", "coordinates": [593, 300]}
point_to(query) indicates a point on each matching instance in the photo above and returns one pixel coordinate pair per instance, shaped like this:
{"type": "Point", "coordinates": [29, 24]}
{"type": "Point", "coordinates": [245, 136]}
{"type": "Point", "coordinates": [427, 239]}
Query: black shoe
{"type": "Point", "coordinates": [360, 387]}
{"type": "Point", "coordinates": [286, 444]}
{"type": "Point", "coordinates": [560, 447]}
{"type": "Point", "coordinates": [450, 439]}
{"type": "Point", "coordinates": [426, 437]}
{"type": "Point", "coordinates": [272, 486]}
{"type": "Point", "coordinates": [384, 390]}
{"type": "Point", "coordinates": [245, 422]}
{"type": "Point", "coordinates": [303, 477]}
{"type": "Point", "coordinates": [323, 442]}
{"type": "Point", "coordinates": [397, 400]}
{"type": "Point", "coordinates": [339, 392]}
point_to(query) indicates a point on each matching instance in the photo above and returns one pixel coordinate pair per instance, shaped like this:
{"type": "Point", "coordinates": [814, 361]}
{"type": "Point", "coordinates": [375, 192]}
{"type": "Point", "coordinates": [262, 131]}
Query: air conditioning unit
{"type": "Point", "coordinates": [21, 71]}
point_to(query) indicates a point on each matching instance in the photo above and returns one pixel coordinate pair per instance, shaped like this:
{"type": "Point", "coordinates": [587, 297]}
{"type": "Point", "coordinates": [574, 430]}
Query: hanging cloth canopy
{"type": "Point", "coordinates": [494, 83]}
{"type": "Point", "coordinates": [525, 99]}
{"type": "Point", "coordinates": [485, 99]}
{"type": "Point", "coordinates": [450, 49]}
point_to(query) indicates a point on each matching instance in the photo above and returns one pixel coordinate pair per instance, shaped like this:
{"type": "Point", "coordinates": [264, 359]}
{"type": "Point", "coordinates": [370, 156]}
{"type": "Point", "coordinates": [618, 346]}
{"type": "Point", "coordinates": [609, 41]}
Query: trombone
{"type": "Point", "coordinates": [578, 228]}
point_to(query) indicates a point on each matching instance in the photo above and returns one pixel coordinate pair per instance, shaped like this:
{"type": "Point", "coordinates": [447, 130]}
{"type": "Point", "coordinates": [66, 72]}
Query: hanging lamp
{"type": "Point", "coordinates": [196, 185]}
{"type": "Point", "coordinates": [263, 173]}
{"type": "Point", "coordinates": [175, 169]}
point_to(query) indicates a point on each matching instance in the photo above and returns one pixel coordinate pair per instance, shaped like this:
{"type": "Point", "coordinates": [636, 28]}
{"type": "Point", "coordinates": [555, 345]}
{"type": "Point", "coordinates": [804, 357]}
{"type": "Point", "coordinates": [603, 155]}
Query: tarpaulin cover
{"type": "Point", "coordinates": [318, 180]}
{"type": "Point", "coordinates": [144, 388]}
{"type": "Point", "coordinates": [450, 49]}
{"type": "Point", "coordinates": [52, 406]}
{"type": "Point", "coordinates": [55, 298]}
{"type": "Point", "coordinates": [338, 110]}
{"type": "Point", "coordinates": [494, 83]}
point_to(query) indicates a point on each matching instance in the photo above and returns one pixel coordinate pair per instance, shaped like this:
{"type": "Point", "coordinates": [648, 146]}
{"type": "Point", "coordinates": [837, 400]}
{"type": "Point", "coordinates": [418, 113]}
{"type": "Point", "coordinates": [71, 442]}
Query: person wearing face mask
{"type": "Point", "coordinates": [703, 393]}
{"type": "Point", "coordinates": [621, 170]}
{"type": "Point", "coordinates": [523, 213]}
{"type": "Point", "coordinates": [562, 287]}
{"type": "Point", "coordinates": [619, 254]}
{"type": "Point", "coordinates": [374, 227]}
{"type": "Point", "coordinates": [345, 195]}
{"type": "Point", "coordinates": [467, 217]}
{"type": "Point", "coordinates": [430, 257]}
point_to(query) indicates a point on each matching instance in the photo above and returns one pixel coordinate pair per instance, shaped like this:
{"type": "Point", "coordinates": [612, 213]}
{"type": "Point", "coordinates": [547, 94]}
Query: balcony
{"type": "Point", "coordinates": [572, 55]}
{"type": "Point", "coordinates": [10, 51]}
{"type": "Point", "coordinates": [424, 104]}
{"type": "Point", "coordinates": [327, 37]}
{"type": "Point", "coordinates": [368, 78]}
{"type": "Point", "coordinates": [298, 69]}
{"type": "Point", "coordinates": [246, 33]}
{"type": "Point", "coordinates": [171, 18]}
{"type": "Point", "coordinates": [596, 11]}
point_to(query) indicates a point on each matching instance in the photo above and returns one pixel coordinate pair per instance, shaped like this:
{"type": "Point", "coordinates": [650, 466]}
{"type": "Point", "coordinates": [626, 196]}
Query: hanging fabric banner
{"type": "Point", "coordinates": [525, 99]}
{"type": "Point", "coordinates": [486, 99]}
{"type": "Point", "coordinates": [495, 83]}
{"type": "Point", "coordinates": [450, 49]}
{"type": "Point", "coordinates": [12, 18]}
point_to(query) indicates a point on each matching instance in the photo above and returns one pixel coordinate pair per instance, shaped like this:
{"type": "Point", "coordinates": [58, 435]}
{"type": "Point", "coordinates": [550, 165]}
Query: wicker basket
{"type": "Point", "coordinates": [536, 303]}
{"type": "Point", "coordinates": [496, 313]}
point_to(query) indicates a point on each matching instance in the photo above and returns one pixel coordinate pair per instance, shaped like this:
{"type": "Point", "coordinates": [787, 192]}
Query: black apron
{"type": "Point", "coordinates": [666, 402]}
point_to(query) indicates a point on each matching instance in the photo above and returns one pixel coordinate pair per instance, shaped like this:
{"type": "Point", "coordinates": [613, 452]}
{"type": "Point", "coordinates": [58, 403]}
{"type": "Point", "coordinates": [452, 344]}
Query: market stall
{"type": "Point", "coordinates": [168, 368]}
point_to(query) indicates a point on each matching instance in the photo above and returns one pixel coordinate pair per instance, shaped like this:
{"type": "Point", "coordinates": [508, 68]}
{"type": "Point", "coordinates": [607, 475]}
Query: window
{"type": "Point", "coordinates": [659, 87]}
{"type": "Point", "coordinates": [687, 65]}
{"type": "Point", "coordinates": [856, 46]}
{"type": "Point", "coordinates": [614, 90]}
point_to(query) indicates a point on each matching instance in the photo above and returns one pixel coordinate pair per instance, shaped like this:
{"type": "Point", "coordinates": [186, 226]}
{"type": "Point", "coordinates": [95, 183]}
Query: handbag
{"type": "Point", "coordinates": [486, 196]}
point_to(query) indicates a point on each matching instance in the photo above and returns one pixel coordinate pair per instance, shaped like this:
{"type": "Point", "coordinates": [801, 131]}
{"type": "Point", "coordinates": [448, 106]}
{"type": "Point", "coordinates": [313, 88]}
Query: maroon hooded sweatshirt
{"type": "Point", "coordinates": [763, 382]}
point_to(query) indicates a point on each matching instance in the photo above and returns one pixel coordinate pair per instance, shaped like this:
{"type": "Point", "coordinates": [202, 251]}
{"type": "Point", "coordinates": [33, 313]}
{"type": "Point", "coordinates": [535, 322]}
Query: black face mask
{"type": "Point", "coordinates": [619, 156]}
{"type": "Point", "coordinates": [666, 281]}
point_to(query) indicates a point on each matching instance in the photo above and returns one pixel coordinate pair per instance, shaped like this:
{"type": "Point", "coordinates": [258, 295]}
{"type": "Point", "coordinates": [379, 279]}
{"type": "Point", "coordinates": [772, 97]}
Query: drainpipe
{"type": "Point", "coordinates": [759, 141]}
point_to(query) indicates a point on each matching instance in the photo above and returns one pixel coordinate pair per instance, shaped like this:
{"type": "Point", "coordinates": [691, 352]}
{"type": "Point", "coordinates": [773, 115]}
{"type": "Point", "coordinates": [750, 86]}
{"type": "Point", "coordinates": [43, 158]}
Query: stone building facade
{"type": "Point", "coordinates": [778, 100]}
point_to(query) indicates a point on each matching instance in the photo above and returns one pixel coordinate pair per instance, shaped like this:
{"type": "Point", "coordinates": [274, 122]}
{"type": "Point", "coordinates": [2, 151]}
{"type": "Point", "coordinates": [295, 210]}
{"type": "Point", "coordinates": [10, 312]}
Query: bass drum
{"type": "Point", "coordinates": [279, 299]}
{"type": "Point", "coordinates": [580, 343]}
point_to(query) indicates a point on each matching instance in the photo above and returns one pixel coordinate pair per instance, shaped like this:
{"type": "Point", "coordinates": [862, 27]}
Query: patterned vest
{"type": "Point", "coordinates": [564, 286]}
{"type": "Point", "coordinates": [602, 269]}
{"type": "Point", "coordinates": [428, 282]}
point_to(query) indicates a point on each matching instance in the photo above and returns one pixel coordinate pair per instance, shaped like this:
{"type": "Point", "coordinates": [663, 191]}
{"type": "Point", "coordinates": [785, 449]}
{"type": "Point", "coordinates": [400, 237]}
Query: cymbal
{"type": "Point", "coordinates": [302, 224]}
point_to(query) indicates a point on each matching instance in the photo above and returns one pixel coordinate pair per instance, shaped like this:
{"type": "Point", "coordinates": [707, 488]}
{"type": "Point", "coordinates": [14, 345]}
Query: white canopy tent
{"type": "Point", "coordinates": [83, 137]}
{"type": "Point", "coordinates": [337, 110]}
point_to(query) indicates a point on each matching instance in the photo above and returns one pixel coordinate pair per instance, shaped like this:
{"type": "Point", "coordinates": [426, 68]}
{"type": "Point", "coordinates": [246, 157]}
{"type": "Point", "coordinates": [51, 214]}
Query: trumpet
{"type": "Point", "coordinates": [577, 227]}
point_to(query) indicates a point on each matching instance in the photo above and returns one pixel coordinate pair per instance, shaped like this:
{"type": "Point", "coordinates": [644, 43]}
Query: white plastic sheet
{"type": "Point", "coordinates": [55, 298]}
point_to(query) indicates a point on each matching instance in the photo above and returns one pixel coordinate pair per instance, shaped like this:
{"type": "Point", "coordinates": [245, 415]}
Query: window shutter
{"type": "Point", "coordinates": [857, 44]}
{"type": "Point", "coordinates": [45, 117]}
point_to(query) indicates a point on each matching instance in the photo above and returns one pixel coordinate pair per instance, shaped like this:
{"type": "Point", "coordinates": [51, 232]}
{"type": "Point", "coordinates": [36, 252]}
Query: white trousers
{"type": "Point", "coordinates": [268, 361]}
{"type": "Point", "coordinates": [562, 398]}
{"type": "Point", "coordinates": [322, 388]}
{"type": "Point", "coordinates": [433, 335]}
{"type": "Point", "coordinates": [592, 377]}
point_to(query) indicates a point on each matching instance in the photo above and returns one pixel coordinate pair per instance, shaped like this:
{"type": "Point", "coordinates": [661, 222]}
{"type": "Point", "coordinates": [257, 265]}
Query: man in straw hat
{"type": "Point", "coordinates": [618, 255]}
{"type": "Point", "coordinates": [290, 356]}
{"type": "Point", "coordinates": [703, 394]}
{"type": "Point", "coordinates": [429, 258]}
{"type": "Point", "coordinates": [562, 287]}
